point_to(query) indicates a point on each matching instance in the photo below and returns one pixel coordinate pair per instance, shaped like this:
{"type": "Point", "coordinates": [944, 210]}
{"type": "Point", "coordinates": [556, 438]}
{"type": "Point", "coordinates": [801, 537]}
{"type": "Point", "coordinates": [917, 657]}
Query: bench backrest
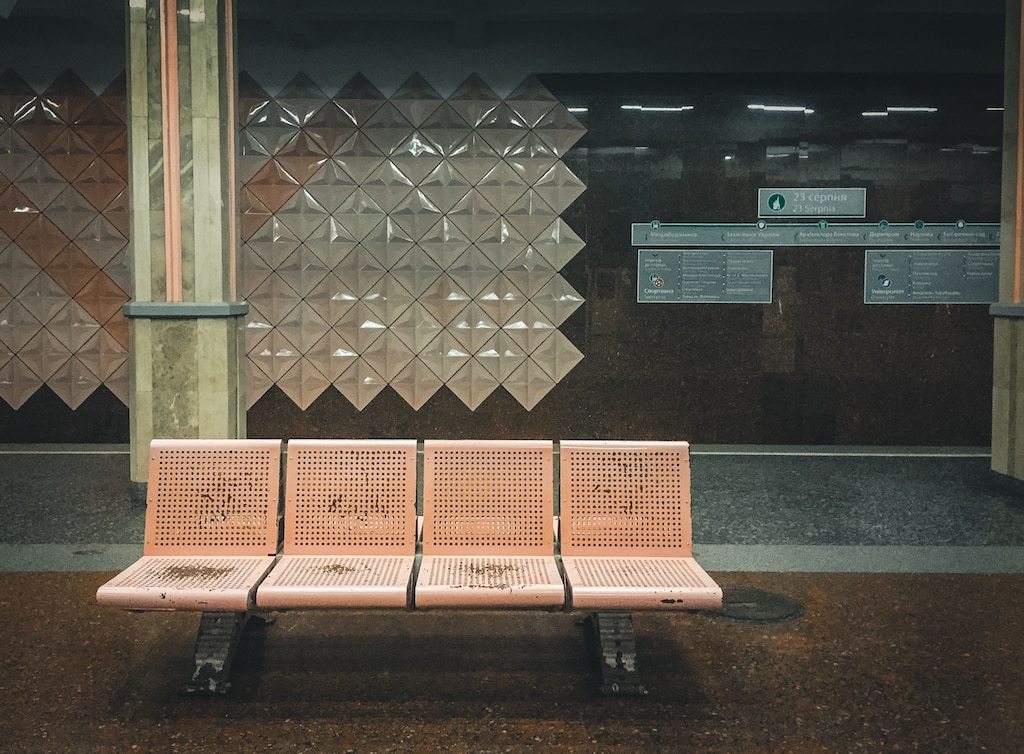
{"type": "Point", "coordinates": [213, 497]}
{"type": "Point", "coordinates": [488, 497]}
{"type": "Point", "coordinates": [353, 497]}
{"type": "Point", "coordinates": [625, 498]}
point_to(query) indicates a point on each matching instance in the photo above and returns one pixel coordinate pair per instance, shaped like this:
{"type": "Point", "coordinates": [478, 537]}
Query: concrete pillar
{"type": "Point", "coordinates": [187, 329]}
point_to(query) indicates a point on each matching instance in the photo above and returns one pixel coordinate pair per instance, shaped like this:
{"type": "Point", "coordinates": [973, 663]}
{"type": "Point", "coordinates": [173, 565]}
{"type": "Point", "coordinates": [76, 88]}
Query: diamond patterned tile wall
{"type": "Point", "coordinates": [63, 243]}
{"type": "Point", "coordinates": [413, 241]}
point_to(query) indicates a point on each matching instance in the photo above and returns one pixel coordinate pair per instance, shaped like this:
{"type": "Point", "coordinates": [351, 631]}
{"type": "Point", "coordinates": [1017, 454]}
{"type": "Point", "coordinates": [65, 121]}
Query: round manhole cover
{"type": "Point", "coordinates": [757, 606]}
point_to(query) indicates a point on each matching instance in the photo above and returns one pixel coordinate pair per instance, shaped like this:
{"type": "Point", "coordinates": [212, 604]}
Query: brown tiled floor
{"type": "Point", "coordinates": [881, 663]}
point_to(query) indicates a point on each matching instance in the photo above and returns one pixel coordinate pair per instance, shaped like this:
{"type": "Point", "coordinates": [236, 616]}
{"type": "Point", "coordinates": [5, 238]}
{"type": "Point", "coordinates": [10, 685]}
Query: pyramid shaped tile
{"type": "Point", "coordinates": [501, 356]}
{"type": "Point", "coordinates": [114, 95]}
{"type": "Point", "coordinates": [388, 242]}
{"type": "Point", "coordinates": [38, 122]}
{"type": "Point", "coordinates": [472, 327]}
{"type": "Point", "coordinates": [6, 352]}
{"type": "Point", "coordinates": [528, 384]}
{"type": "Point", "coordinates": [256, 385]}
{"type": "Point", "coordinates": [16, 154]}
{"type": "Point", "coordinates": [472, 384]}
{"type": "Point", "coordinates": [531, 100]}
{"type": "Point", "coordinates": [43, 297]}
{"type": "Point", "coordinates": [501, 299]}
{"type": "Point", "coordinates": [359, 270]}
{"type": "Point", "coordinates": [98, 125]}
{"type": "Point", "coordinates": [16, 211]}
{"type": "Point", "coordinates": [387, 128]}
{"type": "Point", "coordinates": [443, 299]}
{"type": "Point", "coordinates": [274, 242]}
{"type": "Point", "coordinates": [257, 327]}
{"type": "Point", "coordinates": [275, 355]}
{"type": "Point", "coordinates": [73, 382]}
{"type": "Point", "coordinates": [416, 271]}
{"type": "Point", "coordinates": [502, 129]}
{"type": "Point", "coordinates": [302, 156]}
{"type": "Point", "coordinates": [72, 326]}
{"type": "Point", "coordinates": [360, 384]}
{"type": "Point", "coordinates": [44, 354]}
{"type": "Point", "coordinates": [359, 213]}
{"type": "Point", "coordinates": [331, 127]}
{"type": "Point", "coordinates": [100, 240]}
{"type": "Point", "coordinates": [387, 185]}
{"type": "Point", "coordinates": [444, 242]}
{"type": "Point", "coordinates": [71, 269]}
{"type": "Point", "coordinates": [117, 383]}
{"type": "Point", "coordinates": [16, 269]}
{"type": "Point", "coordinates": [359, 326]}
{"type": "Point", "coordinates": [531, 158]}
{"type": "Point", "coordinates": [502, 243]}
{"type": "Point", "coordinates": [99, 183]}
{"type": "Point", "coordinates": [529, 271]}
{"type": "Point", "coordinates": [331, 298]}
{"type": "Point", "coordinates": [559, 187]}
{"type": "Point", "coordinates": [18, 383]}
{"type": "Point", "coordinates": [530, 215]}
{"type": "Point", "coordinates": [416, 157]}
{"type": "Point", "coordinates": [5, 240]}
{"type": "Point", "coordinates": [559, 129]}
{"type": "Point", "coordinates": [70, 212]}
{"type": "Point", "coordinates": [556, 300]}
{"type": "Point", "coordinates": [416, 99]}
{"type": "Point", "coordinates": [473, 214]}
{"type": "Point", "coordinates": [473, 100]}
{"type": "Point", "coordinates": [303, 270]}
{"type": "Point", "coordinates": [69, 154]}
{"type": "Point", "coordinates": [71, 94]}
{"type": "Point", "coordinates": [303, 384]}
{"type": "Point", "coordinates": [40, 182]}
{"type": "Point", "coordinates": [416, 384]}
{"type": "Point", "coordinates": [502, 186]}
{"type": "Point", "coordinates": [103, 355]}
{"type": "Point", "coordinates": [472, 271]}
{"type": "Point", "coordinates": [119, 271]}
{"type": "Point", "coordinates": [252, 156]}
{"type": "Point", "coordinates": [253, 270]}
{"type": "Point", "coordinates": [416, 327]}
{"type": "Point", "coordinates": [273, 184]}
{"type": "Point", "coordinates": [473, 157]}
{"type": "Point", "coordinates": [359, 99]}
{"type": "Point", "coordinates": [251, 98]}
{"type": "Point", "coordinates": [529, 328]}
{"type": "Point", "coordinates": [41, 240]}
{"type": "Point", "coordinates": [330, 185]}
{"type": "Point", "coordinates": [303, 214]}
{"type": "Point", "coordinates": [445, 129]}
{"type": "Point", "coordinates": [303, 326]}
{"type": "Point", "coordinates": [387, 298]}
{"type": "Point", "coordinates": [117, 213]}
{"type": "Point", "coordinates": [557, 356]}
{"type": "Point", "coordinates": [359, 156]}
{"type": "Point", "coordinates": [388, 355]}
{"type": "Point", "coordinates": [558, 243]}
{"type": "Point", "coordinates": [332, 355]}
{"type": "Point", "coordinates": [331, 241]}
{"type": "Point", "coordinates": [115, 154]}
{"type": "Point", "coordinates": [275, 298]}
{"type": "Point", "coordinates": [274, 126]}
{"type": "Point", "coordinates": [416, 214]}
{"type": "Point", "coordinates": [302, 98]}
{"type": "Point", "coordinates": [444, 186]}
{"type": "Point", "coordinates": [101, 298]}
{"type": "Point", "coordinates": [445, 355]}
{"type": "Point", "coordinates": [14, 94]}
{"type": "Point", "coordinates": [118, 328]}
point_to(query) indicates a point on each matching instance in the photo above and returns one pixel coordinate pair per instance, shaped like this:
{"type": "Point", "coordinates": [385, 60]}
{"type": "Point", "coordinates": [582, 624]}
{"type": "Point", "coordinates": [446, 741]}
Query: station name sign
{"type": "Point", "coordinates": [811, 202]}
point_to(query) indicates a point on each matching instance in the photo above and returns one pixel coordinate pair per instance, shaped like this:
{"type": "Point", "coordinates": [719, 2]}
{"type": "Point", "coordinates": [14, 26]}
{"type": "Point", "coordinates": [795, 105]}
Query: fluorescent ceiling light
{"type": "Point", "coordinates": [577, 109]}
{"type": "Point", "coordinates": [653, 109]}
{"type": "Point", "coordinates": [875, 114]}
{"type": "Point", "coordinates": [781, 108]}
{"type": "Point", "coordinates": [728, 157]}
{"type": "Point", "coordinates": [912, 109]}
{"type": "Point", "coordinates": [995, 109]}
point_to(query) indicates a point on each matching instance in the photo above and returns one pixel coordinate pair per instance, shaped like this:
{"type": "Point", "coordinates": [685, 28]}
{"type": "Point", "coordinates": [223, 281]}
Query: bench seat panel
{"type": "Point", "coordinates": [463, 581]}
{"type": "Point", "coordinates": [187, 582]}
{"type": "Point", "coordinates": [315, 581]}
{"type": "Point", "coordinates": [640, 584]}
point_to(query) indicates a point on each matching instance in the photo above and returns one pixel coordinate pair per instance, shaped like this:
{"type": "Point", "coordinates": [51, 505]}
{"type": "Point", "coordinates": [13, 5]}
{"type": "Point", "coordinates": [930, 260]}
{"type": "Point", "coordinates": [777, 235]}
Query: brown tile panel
{"type": "Point", "coordinates": [69, 154]}
{"type": "Point", "coordinates": [101, 297]}
{"type": "Point", "coordinates": [117, 326]}
{"type": "Point", "coordinates": [72, 269]}
{"type": "Point", "coordinates": [16, 211]}
{"type": "Point", "coordinates": [99, 183]}
{"type": "Point", "coordinates": [71, 94]}
{"type": "Point", "coordinates": [14, 95]}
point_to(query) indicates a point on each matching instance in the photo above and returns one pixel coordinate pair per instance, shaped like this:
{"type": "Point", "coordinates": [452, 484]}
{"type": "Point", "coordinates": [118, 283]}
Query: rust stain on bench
{"type": "Point", "coordinates": [342, 568]}
{"type": "Point", "coordinates": [491, 569]}
{"type": "Point", "coordinates": [182, 572]}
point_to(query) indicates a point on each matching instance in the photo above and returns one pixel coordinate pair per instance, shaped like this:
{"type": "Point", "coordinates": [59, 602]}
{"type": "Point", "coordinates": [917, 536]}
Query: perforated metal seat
{"type": "Point", "coordinates": [211, 527]}
{"type": "Point", "coordinates": [626, 530]}
{"type": "Point", "coordinates": [350, 526]}
{"type": "Point", "coordinates": [488, 539]}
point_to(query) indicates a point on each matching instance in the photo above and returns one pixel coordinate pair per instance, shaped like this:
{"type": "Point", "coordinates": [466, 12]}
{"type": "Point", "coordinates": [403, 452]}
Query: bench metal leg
{"type": "Point", "coordinates": [616, 644]}
{"type": "Point", "coordinates": [216, 642]}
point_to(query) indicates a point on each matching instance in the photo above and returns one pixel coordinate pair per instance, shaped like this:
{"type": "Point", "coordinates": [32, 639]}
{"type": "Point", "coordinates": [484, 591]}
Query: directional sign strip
{"type": "Point", "coordinates": [764, 234]}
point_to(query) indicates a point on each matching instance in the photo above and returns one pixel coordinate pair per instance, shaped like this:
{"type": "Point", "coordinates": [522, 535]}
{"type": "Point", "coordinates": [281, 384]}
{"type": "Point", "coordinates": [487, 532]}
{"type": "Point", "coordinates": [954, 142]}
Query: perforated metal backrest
{"type": "Point", "coordinates": [213, 497]}
{"type": "Point", "coordinates": [353, 497]}
{"type": "Point", "coordinates": [625, 498]}
{"type": "Point", "coordinates": [487, 497]}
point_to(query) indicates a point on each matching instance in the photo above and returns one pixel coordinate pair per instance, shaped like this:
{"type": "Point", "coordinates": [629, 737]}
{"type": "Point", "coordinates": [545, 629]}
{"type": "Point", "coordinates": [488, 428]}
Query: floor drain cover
{"type": "Point", "coordinates": [757, 606]}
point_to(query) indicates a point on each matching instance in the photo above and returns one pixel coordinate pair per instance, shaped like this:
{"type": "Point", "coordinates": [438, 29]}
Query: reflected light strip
{"type": "Point", "coordinates": [875, 114]}
{"type": "Point", "coordinates": [995, 109]}
{"type": "Point", "coordinates": [577, 109]}
{"type": "Point", "coordinates": [900, 109]}
{"type": "Point", "coordinates": [171, 149]}
{"type": "Point", "coordinates": [781, 108]}
{"type": "Point", "coordinates": [658, 109]}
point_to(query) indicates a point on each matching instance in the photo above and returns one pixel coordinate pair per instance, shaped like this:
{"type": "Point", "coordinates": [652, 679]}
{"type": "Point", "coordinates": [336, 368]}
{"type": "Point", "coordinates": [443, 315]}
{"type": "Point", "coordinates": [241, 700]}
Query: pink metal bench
{"type": "Point", "coordinates": [349, 526]}
{"type": "Point", "coordinates": [488, 535]}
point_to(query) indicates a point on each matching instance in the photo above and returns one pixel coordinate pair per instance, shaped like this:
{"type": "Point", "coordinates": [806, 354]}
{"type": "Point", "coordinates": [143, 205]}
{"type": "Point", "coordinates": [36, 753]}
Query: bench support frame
{"type": "Point", "coordinates": [216, 643]}
{"type": "Point", "coordinates": [616, 648]}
